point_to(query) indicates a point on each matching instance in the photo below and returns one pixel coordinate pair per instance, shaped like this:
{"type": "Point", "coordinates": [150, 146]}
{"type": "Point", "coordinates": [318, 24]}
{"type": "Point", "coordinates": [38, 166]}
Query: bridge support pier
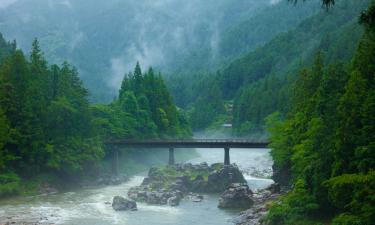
{"type": "Point", "coordinates": [115, 161]}
{"type": "Point", "coordinates": [171, 157]}
{"type": "Point", "coordinates": [226, 157]}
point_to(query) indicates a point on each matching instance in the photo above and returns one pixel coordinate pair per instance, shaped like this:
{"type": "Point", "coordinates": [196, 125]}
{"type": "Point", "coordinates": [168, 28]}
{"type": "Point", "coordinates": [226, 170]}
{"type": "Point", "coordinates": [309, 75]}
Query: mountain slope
{"type": "Point", "coordinates": [106, 38]}
{"type": "Point", "coordinates": [260, 81]}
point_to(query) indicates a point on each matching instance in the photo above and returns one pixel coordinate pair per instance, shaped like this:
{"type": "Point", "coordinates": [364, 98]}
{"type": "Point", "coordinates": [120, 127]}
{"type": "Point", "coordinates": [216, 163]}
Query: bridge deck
{"type": "Point", "coordinates": [191, 143]}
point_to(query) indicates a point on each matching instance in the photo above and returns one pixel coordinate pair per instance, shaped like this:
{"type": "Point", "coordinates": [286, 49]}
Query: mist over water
{"type": "Point", "coordinates": [87, 207]}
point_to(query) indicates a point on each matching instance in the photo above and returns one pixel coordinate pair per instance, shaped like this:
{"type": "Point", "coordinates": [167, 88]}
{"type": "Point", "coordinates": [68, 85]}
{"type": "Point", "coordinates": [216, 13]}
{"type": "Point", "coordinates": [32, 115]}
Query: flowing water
{"type": "Point", "coordinates": [90, 206]}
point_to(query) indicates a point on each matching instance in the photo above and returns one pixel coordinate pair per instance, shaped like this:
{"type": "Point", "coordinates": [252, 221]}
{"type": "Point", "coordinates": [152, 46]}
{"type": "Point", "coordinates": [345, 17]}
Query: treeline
{"type": "Point", "coordinates": [325, 147]}
{"type": "Point", "coordinates": [143, 109]}
{"type": "Point", "coordinates": [259, 82]}
{"type": "Point", "coordinates": [48, 126]}
{"type": "Point", "coordinates": [45, 119]}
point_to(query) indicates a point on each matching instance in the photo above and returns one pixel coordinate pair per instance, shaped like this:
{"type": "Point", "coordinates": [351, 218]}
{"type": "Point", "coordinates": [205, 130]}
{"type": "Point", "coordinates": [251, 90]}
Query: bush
{"type": "Point", "coordinates": [294, 207]}
{"type": "Point", "coordinates": [353, 194]}
{"type": "Point", "coordinates": [346, 219]}
{"type": "Point", "coordinates": [9, 184]}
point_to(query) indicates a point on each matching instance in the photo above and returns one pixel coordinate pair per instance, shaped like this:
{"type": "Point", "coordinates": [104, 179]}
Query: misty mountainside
{"type": "Point", "coordinates": [106, 38]}
{"type": "Point", "coordinates": [259, 83]}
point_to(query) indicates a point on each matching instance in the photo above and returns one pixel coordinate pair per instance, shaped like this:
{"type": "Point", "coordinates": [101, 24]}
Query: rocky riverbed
{"type": "Point", "coordinates": [92, 204]}
{"type": "Point", "coordinates": [167, 186]}
{"type": "Point", "coordinates": [170, 184]}
{"type": "Point", "coordinates": [258, 210]}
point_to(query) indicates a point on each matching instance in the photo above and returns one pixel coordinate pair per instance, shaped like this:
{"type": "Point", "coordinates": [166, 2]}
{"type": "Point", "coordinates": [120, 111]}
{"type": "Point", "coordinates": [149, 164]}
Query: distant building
{"type": "Point", "coordinates": [227, 125]}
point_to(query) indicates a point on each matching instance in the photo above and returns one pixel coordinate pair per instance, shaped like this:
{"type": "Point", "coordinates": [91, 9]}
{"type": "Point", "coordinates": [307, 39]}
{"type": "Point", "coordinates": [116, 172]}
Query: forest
{"type": "Point", "coordinates": [49, 128]}
{"type": "Point", "coordinates": [325, 144]}
{"type": "Point", "coordinates": [306, 84]}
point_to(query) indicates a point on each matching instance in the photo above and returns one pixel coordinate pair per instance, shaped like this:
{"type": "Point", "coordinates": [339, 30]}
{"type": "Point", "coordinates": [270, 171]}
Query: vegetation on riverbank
{"type": "Point", "coordinates": [50, 130]}
{"type": "Point", "coordinates": [326, 142]}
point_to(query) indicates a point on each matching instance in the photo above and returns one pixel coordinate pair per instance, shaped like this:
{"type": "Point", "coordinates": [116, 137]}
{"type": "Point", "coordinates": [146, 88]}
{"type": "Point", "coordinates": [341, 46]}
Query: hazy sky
{"type": "Point", "coordinates": [5, 3]}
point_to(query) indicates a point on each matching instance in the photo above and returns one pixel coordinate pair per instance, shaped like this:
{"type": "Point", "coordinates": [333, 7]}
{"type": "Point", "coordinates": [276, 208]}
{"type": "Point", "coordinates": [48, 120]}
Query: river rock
{"type": "Point", "coordinates": [145, 193]}
{"type": "Point", "coordinates": [226, 175]}
{"type": "Point", "coordinates": [254, 215]}
{"type": "Point", "coordinates": [122, 204]}
{"type": "Point", "coordinates": [236, 196]}
{"type": "Point", "coordinates": [199, 184]}
{"type": "Point", "coordinates": [195, 197]}
{"type": "Point", "coordinates": [46, 188]}
{"type": "Point", "coordinates": [169, 185]}
{"type": "Point", "coordinates": [274, 188]}
{"type": "Point", "coordinates": [173, 201]}
{"type": "Point", "coordinates": [250, 216]}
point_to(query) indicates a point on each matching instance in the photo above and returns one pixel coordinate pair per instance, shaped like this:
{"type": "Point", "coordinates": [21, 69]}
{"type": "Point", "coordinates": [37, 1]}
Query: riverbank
{"type": "Point", "coordinates": [89, 206]}
{"type": "Point", "coordinates": [51, 183]}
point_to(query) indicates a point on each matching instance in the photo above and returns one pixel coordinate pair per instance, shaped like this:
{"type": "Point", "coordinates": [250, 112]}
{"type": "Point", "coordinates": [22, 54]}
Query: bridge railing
{"type": "Point", "coordinates": [186, 141]}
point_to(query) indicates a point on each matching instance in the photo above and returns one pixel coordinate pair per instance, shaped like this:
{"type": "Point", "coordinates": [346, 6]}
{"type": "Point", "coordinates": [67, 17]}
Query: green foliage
{"type": "Point", "coordinates": [208, 107]}
{"type": "Point", "coordinates": [9, 184]}
{"type": "Point", "coordinates": [353, 194]}
{"type": "Point", "coordinates": [145, 98]}
{"type": "Point", "coordinates": [48, 126]}
{"type": "Point", "coordinates": [347, 219]}
{"type": "Point", "coordinates": [326, 141]}
{"type": "Point", "coordinates": [294, 207]}
{"type": "Point", "coordinates": [45, 119]}
{"type": "Point", "coordinates": [259, 81]}
{"type": "Point", "coordinates": [256, 101]}
{"type": "Point", "coordinates": [6, 48]}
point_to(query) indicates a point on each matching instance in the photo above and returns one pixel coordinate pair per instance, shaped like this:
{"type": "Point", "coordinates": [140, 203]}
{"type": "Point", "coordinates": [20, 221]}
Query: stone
{"type": "Point", "coordinates": [46, 189]}
{"type": "Point", "coordinates": [196, 198]}
{"type": "Point", "coordinates": [274, 188]}
{"type": "Point", "coordinates": [173, 201]}
{"type": "Point", "coordinates": [226, 175]}
{"type": "Point", "coordinates": [122, 204]}
{"type": "Point", "coordinates": [164, 186]}
{"type": "Point", "coordinates": [199, 184]}
{"type": "Point", "coordinates": [146, 181]}
{"type": "Point", "coordinates": [236, 196]}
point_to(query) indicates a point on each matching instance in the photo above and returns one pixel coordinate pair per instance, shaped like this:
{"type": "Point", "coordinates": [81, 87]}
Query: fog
{"type": "Point", "coordinates": [105, 39]}
{"type": "Point", "coordinates": [6, 3]}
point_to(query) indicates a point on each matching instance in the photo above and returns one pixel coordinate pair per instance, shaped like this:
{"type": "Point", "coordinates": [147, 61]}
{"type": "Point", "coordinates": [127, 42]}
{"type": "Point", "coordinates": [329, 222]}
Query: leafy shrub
{"type": "Point", "coordinates": [355, 195]}
{"type": "Point", "coordinates": [293, 207]}
{"type": "Point", "coordinates": [9, 184]}
{"type": "Point", "coordinates": [346, 219]}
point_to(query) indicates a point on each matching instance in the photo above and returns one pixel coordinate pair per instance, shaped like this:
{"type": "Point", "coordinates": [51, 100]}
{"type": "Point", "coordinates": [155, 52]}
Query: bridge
{"type": "Point", "coordinates": [171, 144]}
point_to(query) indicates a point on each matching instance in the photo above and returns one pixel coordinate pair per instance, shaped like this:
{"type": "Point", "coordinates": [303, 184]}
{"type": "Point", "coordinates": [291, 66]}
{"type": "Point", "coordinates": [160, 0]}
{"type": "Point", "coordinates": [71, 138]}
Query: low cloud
{"type": "Point", "coordinates": [146, 56]}
{"type": "Point", "coordinates": [273, 2]}
{"type": "Point", "coordinates": [6, 3]}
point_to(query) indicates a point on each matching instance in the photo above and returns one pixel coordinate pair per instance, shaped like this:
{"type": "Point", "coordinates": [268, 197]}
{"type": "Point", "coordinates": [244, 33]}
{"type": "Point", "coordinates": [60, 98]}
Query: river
{"type": "Point", "coordinates": [90, 206]}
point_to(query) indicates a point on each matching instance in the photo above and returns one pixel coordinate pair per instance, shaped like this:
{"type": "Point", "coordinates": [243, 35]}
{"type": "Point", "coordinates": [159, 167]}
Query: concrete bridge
{"type": "Point", "coordinates": [171, 144]}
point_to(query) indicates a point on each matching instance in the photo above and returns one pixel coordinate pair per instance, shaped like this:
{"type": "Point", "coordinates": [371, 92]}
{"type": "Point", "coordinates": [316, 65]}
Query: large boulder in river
{"type": "Point", "coordinates": [217, 181]}
{"type": "Point", "coordinates": [236, 196]}
{"type": "Point", "coordinates": [199, 184]}
{"type": "Point", "coordinates": [122, 204]}
{"type": "Point", "coordinates": [226, 175]}
{"type": "Point", "coordinates": [145, 193]}
{"type": "Point", "coordinates": [181, 183]}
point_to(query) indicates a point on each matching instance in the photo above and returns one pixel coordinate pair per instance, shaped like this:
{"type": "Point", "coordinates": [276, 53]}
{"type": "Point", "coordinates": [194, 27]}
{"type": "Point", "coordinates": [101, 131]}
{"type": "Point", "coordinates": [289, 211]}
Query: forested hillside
{"type": "Point", "coordinates": [48, 127]}
{"type": "Point", "coordinates": [259, 81]}
{"type": "Point", "coordinates": [177, 37]}
{"type": "Point", "coordinates": [324, 148]}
